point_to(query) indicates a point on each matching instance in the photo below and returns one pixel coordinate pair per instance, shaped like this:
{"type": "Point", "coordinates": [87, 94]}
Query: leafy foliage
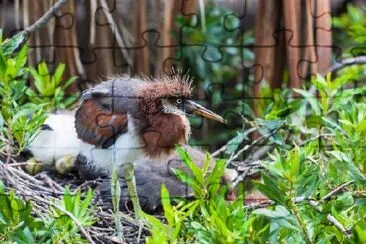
{"type": "Point", "coordinates": [205, 54]}
{"type": "Point", "coordinates": [23, 110]}
{"type": "Point", "coordinates": [209, 218]}
{"type": "Point", "coordinates": [354, 21]}
{"type": "Point", "coordinates": [22, 113]}
{"type": "Point", "coordinates": [62, 226]}
{"type": "Point", "coordinates": [19, 120]}
{"type": "Point", "coordinates": [49, 87]}
{"type": "Point", "coordinates": [315, 178]}
{"type": "Point", "coordinates": [16, 222]}
{"type": "Point", "coordinates": [19, 224]}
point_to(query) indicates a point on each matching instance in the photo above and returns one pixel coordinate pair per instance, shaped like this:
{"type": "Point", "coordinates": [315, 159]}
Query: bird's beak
{"type": "Point", "coordinates": [194, 108]}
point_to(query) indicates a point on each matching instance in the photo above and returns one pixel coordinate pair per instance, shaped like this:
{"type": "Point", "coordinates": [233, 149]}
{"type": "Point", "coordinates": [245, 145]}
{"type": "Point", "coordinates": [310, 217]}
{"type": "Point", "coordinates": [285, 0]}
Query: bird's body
{"type": "Point", "coordinates": [59, 139]}
{"type": "Point", "coordinates": [123, 120]}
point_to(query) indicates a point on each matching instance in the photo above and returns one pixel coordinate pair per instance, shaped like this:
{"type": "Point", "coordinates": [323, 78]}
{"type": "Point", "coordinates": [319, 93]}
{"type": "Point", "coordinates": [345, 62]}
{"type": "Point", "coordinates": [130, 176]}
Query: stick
{"type": "Point", "coordinates": [41, 22]}
{"type": "Point", "coordinates": [336, 223]}
{"type": "Point", "coordinates": [223, 148]}
{"type": "Point", "coordinates": [336, 190]}
{"type": "Point", "coordinates": [345, 63]}
{"type": "Point", "coordinates": [255, 142]}
{"type": "Point", "coordinates": [118, 36]}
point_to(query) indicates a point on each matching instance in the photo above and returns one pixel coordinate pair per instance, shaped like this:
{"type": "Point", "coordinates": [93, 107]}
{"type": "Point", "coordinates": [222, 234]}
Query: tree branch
{"type": "Point", "coordinates": [336, 190]}
{"type": "Point", "coordinates": [345, 63]}
{"type": "Point", "coordinates": [254, 143]}
{"type": "Point", "coordinates": [44, 19]}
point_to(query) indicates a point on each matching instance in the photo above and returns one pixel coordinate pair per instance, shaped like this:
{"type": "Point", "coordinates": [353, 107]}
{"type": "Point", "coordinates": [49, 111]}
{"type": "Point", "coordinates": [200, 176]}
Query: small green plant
{"type": "Point", "coordinates": [19, 223]}
{"type": "Point", "coordinates": [49, 87]}
{"type": "Point", "coordinates": [22, 110]}
{"type": "Point", "coordinates": [62, 226]}
{"type": "Point", "coordinates": [16, 221]}
{"type": "Point", "coordinates": [19, 120]}
{"type": "Point", "coordinates": [209, 218]}
{"type": "Point", "coordinates": [353, 20]}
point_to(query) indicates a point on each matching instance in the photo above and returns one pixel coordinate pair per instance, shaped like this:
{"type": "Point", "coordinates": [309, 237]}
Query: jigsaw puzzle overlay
{"type": "Point", "coordinates": [215, 46]}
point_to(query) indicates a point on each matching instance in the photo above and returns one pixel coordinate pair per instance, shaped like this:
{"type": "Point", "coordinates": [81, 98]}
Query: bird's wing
{"type": "Point", "coordinates": [99, 126]}
{"type": "Point", "coordinates": [102, 115]}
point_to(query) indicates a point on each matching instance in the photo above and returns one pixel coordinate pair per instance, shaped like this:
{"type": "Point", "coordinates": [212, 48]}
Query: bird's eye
{"type": "Point", "coordinates": [179, 101]}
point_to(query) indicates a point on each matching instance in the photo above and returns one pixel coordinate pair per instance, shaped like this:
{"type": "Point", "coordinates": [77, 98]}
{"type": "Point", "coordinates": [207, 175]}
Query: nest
{"type": "Point", "coordinates": [46, 189]}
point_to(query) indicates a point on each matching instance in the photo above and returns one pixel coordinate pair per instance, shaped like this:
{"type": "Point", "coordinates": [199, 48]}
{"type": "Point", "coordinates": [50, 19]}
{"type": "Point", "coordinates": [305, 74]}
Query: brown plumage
{"type": "Point", "coordinates": [97, 128]}
{"type": "Point", "coordinates": [153, 109]}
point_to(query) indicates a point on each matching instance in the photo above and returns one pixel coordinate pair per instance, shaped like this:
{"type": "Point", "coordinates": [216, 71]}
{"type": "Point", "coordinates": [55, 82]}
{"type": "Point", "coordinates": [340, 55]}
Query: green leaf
{"type": "Point", "coordinates": [58, 74]}
{"type": "Point", "coordinates": [319, 82]}
{"type": "Point", "coordinates": [311, 99]}
{"type": "Point", "coordinates": [3, 65]}
{"type": "Point", "coordinates": [270, 189]}
{"type": "Point", "coordinates": [234, 143]}
{"type": "Point", "coordinates": [21, 59]}
{"type": "Point", "coordinates": [168, 210]}
{"type": "Point", "coordinates": [280, 215]}
{"type": "Point", "coordinates": [2, 121]}
{"type": "Point", "coordinates": [86, 203]}
{"type": "Point", "coordinates": [247, 110]}
{"type": "Point", "coordinates": [44, 73]}
{"type": "Point", "coordinates": [207, 163]}
{"type": "Point", "coordinates": [67, 199]}
{"type": "Point", "coordinates": [353, 171]}
{"type": "Point", "coordinates": [199, 177]}
{"type": "Point", "coordinates": [69, 82]}
{"type": "Point", "coordinates": [217, 172]}
{"type": "Point", "coordinates": [185, 178]}
{"type": "Point", "coordinates": [38, 81]}
{"type": "Point", "coordinates": [12, 45]}
{"type": "Point", "coordinates": [278, 212]}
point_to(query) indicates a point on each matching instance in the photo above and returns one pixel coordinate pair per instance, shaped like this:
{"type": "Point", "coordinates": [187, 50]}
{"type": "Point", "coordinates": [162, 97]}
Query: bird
{"type": "Point", "coordinates": [123, 120]}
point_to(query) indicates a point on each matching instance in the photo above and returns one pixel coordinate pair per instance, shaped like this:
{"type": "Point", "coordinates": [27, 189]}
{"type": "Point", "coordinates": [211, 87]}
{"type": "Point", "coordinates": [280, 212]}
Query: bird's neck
{"type": "Point", "coordinates": [162, 132]}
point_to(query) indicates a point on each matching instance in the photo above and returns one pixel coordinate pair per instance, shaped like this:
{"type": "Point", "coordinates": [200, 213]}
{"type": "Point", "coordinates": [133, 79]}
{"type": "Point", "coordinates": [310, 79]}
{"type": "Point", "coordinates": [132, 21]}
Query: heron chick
{"type": "Point", "coordinates": [126, 119]}
{"type": "Point", "coordinates": [123, 120]}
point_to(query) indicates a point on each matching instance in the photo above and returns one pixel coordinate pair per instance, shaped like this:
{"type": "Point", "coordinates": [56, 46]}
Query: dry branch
{"type": "Point", "coordinates": [41, 22]}
{"type": "Point", "coordinates": [346, 62]}
{"type": "Point", "coordinates": [44, 191]}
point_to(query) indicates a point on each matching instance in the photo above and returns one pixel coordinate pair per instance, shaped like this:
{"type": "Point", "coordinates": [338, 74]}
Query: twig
{"type": "Point", "coordinates": [255, 142]}
{"type": "Point", "coordinates": [44, 19]}
{"type": "Point", "coordinates": [223, 148]}
{"type": "Point", "coordinates": [345, 63]}
{"type": "Point", "coordinates": [262, 204]}
{"type": "Point", "coordinates": [336, 223]}
{"type": "Point", "coordinates": [118, 36]}
{"type": "Point", "coordinates": [258, 154]}
{"type": "Point", "coordinates": [87, 183]}
{"type": "Point", "coordinates": [330, 217]}
{"type": "Point", "coordinates": [245, 173]}
{"type": "Point", "coordinates": [51, 182]}
{"type": "Point", "coordinates": [336, 190]}
{"type": "Point", "coordinates": [220, 150]}
{"type": "Point", "coordinates": [312, 203]}
{"type": "Point", "coordinates": [314, 138]}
